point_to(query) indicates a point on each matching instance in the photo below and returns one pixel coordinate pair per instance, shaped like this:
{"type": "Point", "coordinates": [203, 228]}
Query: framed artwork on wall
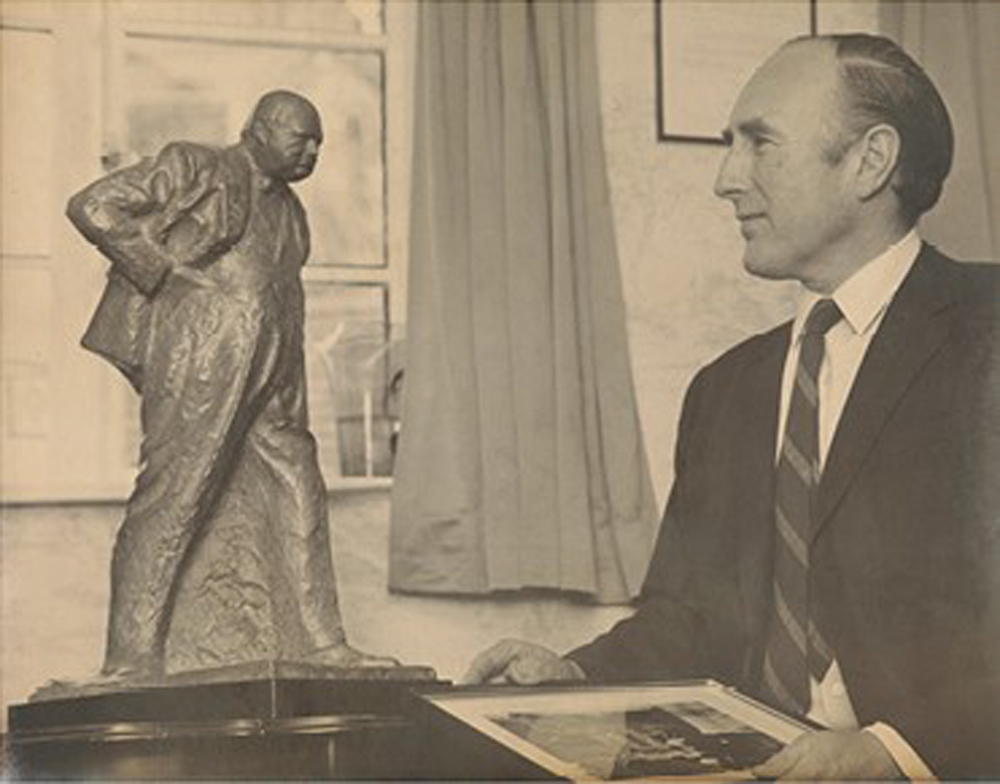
{"type": "Point", "coordinates": [705, 52]}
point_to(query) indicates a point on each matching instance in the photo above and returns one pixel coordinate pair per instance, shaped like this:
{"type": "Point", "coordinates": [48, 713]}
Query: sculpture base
{"type": "Point", "coordinates": [272, 720]}
{"type": "Point", "coordinates": [247, 671]}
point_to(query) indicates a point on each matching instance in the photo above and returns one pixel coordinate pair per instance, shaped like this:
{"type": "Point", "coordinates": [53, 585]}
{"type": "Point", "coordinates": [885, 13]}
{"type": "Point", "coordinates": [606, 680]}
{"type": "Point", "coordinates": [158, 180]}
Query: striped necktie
{"type": "Point", "coordinates": [795, 648]}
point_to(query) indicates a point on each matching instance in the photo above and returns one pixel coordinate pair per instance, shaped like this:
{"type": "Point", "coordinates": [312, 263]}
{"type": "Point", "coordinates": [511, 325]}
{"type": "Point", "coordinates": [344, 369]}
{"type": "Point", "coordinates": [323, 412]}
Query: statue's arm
{"type": "Point", "coordinates": [127, 215]}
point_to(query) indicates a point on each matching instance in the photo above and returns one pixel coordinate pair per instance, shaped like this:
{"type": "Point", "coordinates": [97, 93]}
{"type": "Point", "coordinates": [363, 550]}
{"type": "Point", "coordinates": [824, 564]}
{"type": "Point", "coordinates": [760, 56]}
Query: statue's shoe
{"type": "Point", "coordinates": [343, 655]}
{"type": "Point", "coordinates": [117, 679]}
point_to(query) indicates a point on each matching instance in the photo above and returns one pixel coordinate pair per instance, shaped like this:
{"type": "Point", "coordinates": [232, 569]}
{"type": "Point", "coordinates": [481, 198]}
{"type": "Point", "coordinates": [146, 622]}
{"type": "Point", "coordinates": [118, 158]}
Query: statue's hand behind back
{"type": "Point", "coordinates": [193, 276]}
{"type": "Point", "coordinates": [524, 663]}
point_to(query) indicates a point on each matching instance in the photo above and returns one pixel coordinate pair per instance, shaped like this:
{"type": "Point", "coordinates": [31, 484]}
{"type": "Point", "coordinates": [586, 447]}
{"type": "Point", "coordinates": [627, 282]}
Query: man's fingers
{"type": "Point", "coordinates": [784, 761]}
{"type": "Point", "coordinates": [847, 755]}
{"type": "Point", "coordinates": [489, 664]}
{"type": "Point", "coordinates": [525, 671]}
{"type": "Point", "coordinates": [774, 767]}
{"type": "Point", "coordinates": [482, 668]}
{"type": "Point", "coordinates": [523, 663]}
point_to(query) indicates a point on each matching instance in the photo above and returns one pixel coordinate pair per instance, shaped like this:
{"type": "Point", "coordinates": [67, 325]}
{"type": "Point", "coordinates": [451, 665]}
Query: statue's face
{"type": "Point", "coordinates": [290, 142]}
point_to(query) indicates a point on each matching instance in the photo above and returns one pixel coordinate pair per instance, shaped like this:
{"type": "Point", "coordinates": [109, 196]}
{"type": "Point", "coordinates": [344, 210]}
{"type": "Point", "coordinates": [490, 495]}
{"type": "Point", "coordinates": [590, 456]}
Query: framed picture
{"type": "Point", "coordinates": [585, 733]}
{"type": "Point", "coordinates": [706, 51]}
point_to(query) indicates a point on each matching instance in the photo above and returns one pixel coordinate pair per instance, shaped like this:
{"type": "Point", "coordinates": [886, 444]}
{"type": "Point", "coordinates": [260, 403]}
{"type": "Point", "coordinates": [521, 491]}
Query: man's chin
{"type": "Point", "coordinates": [763, 267]}
{"type": "Point", "coordinates": [299, 173]}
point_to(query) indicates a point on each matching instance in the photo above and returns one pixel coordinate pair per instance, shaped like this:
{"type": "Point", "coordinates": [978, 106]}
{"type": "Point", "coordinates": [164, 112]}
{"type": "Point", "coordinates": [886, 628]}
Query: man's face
{"type": "Point", "coordinates": [291, 141]}
{"type": "Point", "coordinates": [794, 207]}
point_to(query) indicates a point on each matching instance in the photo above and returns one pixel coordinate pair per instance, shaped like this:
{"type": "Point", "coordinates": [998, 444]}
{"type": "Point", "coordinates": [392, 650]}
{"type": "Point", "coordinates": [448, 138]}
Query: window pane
{"type": "Point", "coordinates": [337, 16]}
{"type": "Point", "coordinates": [203, 91]}
{"type": "Point", "coordinates": [354, 366]}
{"type": "Point", "coordinates": [27, 12]}
{"type": "Point", "coordinates": [28, 118]}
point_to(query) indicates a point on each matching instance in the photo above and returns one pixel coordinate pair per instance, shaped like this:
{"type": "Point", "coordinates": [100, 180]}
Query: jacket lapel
{"type": "Point", "coordinates": [757, 434]}
{"type": "Point", "coordinates": [914, 329]}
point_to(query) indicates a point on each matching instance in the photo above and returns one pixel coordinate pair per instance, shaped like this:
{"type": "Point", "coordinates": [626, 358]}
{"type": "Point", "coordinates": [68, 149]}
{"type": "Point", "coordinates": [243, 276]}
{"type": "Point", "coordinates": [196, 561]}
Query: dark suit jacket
{"type": "Point", "coordinates": [905, 560]}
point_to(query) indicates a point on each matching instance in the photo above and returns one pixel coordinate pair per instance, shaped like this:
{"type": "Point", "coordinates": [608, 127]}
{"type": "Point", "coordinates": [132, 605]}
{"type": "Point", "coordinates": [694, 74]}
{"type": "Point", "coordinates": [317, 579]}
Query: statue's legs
{"type": "Point", "coordinates": [223, 382]}
{"type": "Point", "coordinates": [292, 483]}
{"type": "Point", "coordinates": [198, 390]}
{"type": "Point", "coordinates": [296, 493]}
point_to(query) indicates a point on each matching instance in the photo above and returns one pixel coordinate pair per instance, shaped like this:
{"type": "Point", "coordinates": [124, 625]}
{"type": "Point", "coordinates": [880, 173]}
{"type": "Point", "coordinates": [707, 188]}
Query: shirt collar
{"type": "Point", "coordinates": [867, 293]}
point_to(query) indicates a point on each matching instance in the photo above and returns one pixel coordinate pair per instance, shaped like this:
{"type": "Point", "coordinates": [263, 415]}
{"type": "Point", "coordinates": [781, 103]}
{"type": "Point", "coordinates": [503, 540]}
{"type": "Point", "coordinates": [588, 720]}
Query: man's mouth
{"type": "Point", "coordinates": [748, 222]}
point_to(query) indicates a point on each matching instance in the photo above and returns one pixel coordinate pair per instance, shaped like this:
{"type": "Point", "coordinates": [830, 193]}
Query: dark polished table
{"type": "Point", "coordinates": [266, 720]}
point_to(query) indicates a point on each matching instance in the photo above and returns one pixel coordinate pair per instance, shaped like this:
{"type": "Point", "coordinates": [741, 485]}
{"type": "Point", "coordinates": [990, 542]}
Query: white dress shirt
{"type": "Point", "coordinates": [863, 300]}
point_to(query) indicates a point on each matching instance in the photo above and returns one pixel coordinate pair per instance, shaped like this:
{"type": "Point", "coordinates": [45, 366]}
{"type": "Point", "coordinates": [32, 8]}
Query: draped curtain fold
{"type": "Point", "coordinates": [521, 461]}
{"type": "Point", "coordinates": [957, 43]}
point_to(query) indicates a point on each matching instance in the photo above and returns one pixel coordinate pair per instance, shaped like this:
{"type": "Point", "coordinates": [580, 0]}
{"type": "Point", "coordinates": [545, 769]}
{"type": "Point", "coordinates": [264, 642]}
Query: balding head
{"type": "Point", "coordinates": [280, 105]}
{"type": "Point", "coordinates": [803, 214]}
{"type": "Point", "coordinates": [283, 134]}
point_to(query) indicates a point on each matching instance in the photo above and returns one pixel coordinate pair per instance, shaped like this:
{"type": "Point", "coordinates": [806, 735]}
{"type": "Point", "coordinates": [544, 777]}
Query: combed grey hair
{"type": "Point", "coordinates": [881, 83]}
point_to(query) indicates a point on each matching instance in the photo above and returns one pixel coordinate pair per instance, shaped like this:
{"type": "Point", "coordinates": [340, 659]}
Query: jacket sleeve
{"type": "Point", "coordinates": [134, 216]}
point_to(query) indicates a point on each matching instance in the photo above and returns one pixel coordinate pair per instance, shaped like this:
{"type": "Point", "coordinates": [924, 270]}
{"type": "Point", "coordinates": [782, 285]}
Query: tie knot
{"type": "Point", "coordinates": [822, 317]}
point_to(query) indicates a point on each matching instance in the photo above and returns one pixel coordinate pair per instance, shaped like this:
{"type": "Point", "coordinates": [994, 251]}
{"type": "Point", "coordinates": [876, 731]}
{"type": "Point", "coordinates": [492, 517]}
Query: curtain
{"type": "Point", "coordinates": [957, 43]}
{"type": "Point", "coordinates": [521, 463]}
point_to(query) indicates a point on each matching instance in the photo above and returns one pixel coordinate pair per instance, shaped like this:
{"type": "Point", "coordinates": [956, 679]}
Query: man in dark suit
{"type": "Point", "coordinates": [832, 540]}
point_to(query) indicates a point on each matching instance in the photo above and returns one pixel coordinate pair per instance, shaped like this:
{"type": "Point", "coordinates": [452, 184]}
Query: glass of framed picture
{"type": "Point", "coordinates": [696, 729]}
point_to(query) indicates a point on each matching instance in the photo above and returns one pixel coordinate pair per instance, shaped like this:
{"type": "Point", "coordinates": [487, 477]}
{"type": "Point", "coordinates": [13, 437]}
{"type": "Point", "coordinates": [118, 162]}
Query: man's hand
{"type": "Point", "coordinates": [832, 755]}
{"type": "Point", "coordinates": [524, 663]}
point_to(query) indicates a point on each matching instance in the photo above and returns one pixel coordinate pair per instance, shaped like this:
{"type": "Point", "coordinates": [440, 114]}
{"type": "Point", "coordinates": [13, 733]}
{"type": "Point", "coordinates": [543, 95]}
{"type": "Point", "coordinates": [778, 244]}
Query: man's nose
{"type": "Point", "coordinates": [312, 147]}
{"type": "Point", "coordinates": [732, 177]}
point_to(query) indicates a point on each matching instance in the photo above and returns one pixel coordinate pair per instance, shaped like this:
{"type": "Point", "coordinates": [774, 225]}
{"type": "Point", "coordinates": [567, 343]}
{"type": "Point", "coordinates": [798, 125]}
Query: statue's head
{"type": "Point", "coordinates": [284, 134]}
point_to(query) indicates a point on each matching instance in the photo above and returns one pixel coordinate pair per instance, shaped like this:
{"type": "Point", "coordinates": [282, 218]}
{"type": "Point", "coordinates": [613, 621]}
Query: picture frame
{"type": "Point", "coordinates": [672, 730]}
{"type": "Point", "coordinates": [704, 54]}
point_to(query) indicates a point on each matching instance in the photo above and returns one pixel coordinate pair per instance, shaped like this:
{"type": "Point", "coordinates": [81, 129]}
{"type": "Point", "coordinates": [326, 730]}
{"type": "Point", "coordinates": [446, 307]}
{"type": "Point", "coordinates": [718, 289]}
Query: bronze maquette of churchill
{"type": "Point", "coordinates": [203, 312]}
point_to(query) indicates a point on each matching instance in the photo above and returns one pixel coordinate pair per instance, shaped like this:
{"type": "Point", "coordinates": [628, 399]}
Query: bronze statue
{"type": "Point", "coordinates": [223, 556]}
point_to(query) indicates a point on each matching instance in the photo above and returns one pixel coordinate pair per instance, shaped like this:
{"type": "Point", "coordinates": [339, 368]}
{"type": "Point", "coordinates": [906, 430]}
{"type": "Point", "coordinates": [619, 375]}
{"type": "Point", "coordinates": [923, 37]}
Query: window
{"type": "Point", "coordinates": [193, 70]}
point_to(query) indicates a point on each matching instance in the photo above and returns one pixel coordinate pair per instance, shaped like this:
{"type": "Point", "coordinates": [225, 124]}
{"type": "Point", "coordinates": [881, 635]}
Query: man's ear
{"type": "Point", "coordinates": [878, 157]}
{"type": "Point", "coordinates": [260, 132]}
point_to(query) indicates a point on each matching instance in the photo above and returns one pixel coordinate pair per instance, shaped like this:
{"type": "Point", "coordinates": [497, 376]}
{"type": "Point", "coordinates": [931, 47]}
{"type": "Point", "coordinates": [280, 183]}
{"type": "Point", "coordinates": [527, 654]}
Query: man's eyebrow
{"type": "Point", "coordinates": [756, 127]}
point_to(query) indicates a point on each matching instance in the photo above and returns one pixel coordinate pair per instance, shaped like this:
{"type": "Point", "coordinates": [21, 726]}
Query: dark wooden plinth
{"type": "Point", "coordinates": [274, 726]}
